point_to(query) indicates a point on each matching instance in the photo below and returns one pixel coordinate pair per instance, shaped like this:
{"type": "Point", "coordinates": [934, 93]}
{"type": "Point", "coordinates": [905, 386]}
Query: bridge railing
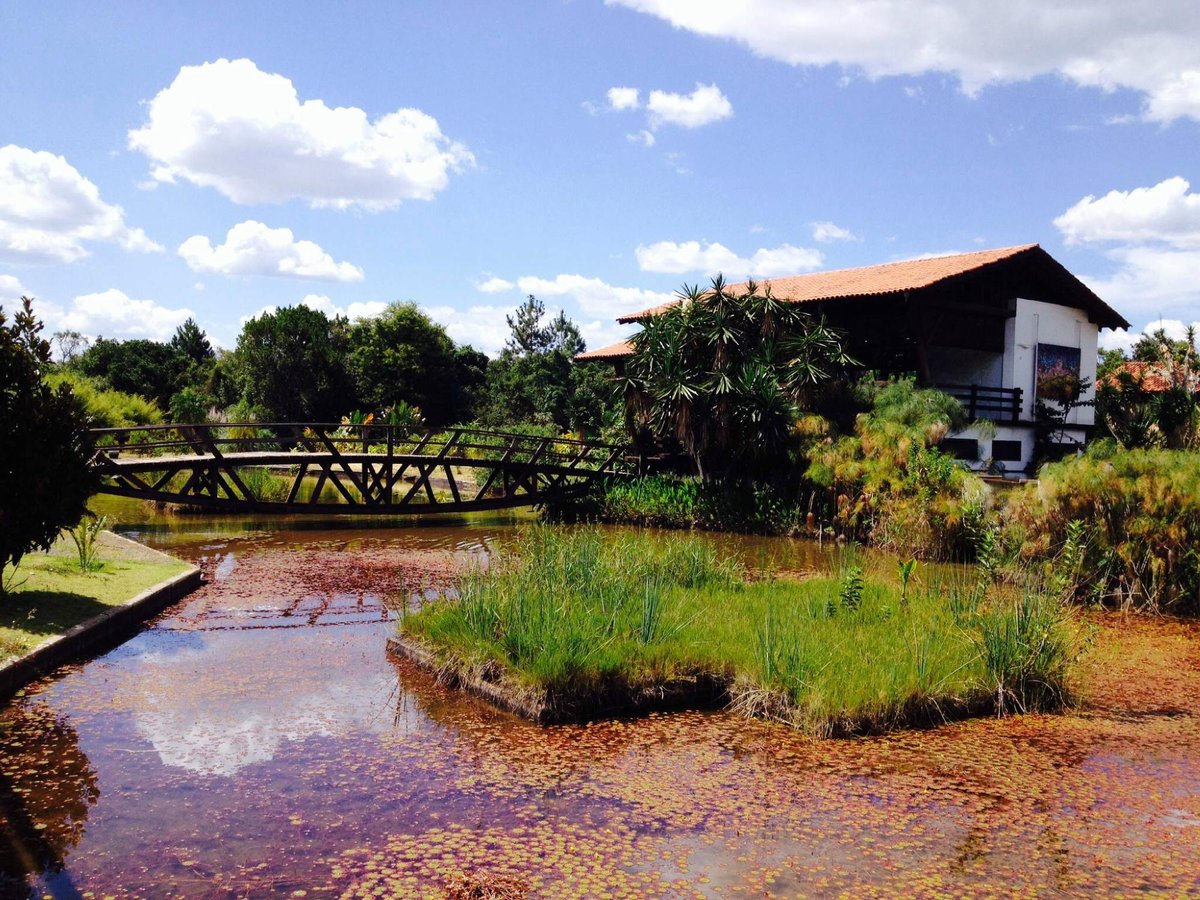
{"type": "Point", "coordinates": [339, 438]}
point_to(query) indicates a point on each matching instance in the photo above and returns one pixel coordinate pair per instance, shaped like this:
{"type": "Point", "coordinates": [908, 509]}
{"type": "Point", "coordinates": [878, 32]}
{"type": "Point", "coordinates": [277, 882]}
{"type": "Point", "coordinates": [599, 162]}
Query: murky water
{"type": "Point", "coordinates": [258, 739]}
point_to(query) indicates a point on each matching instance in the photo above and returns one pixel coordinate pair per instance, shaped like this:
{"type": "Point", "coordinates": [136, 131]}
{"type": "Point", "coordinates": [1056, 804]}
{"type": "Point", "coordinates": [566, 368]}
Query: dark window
{"type": "Point", "coordinates": [963, 448]}
{"type": "Point", "coordinates": [1006, 451]}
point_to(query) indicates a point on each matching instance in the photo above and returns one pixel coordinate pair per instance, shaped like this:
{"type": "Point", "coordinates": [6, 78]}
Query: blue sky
{"type": "Point", "coordinates": [217, 159]}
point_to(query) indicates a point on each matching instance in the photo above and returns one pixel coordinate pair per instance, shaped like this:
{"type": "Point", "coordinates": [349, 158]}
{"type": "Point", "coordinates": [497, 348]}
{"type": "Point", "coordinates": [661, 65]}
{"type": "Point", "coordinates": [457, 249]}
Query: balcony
{"type": "Point", "coordinates": [995, 403]}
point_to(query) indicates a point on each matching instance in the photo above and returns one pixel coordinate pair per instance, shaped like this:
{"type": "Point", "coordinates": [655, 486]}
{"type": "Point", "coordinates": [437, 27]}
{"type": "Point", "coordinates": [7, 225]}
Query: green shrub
{"type": "Point", "coordinates": [889, 486]}
{"type": "Point", "coordinates": [670, 501]}
{"type": "Point", "coordinates": [106, 408]}
{"type": "Point", "coordinates": [1142, 511]}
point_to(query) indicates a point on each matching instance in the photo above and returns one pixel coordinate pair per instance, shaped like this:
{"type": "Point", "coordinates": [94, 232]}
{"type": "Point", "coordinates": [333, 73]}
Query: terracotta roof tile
{"type": "Point", "coordinates": [888, 278]}
{"type": "Point", "coordinates": [612, 351]}
{"type": "Point", "coordinates": [1151, 377]}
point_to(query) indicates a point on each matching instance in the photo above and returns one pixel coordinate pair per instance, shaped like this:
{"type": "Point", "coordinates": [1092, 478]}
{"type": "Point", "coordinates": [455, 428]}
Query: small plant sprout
{"type": "Point", "coordinates": [907, 569]}
{"type": "Point", "coordinates": [86, 537]}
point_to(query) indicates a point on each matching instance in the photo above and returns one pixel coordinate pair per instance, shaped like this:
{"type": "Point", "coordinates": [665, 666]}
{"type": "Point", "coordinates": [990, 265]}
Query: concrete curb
{"type": "Point", "coordinates": [99, 632]}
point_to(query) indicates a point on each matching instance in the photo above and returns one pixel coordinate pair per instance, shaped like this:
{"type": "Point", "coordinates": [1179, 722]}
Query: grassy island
{"type": "Point", "coordinates": [572, 625]}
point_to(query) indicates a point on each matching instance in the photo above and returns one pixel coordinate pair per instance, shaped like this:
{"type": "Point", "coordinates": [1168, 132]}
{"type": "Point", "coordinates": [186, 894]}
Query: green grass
{"type": "Point", "coordinates": [583, 616]}
{"type": "Point", "coordinates": [53, 595]}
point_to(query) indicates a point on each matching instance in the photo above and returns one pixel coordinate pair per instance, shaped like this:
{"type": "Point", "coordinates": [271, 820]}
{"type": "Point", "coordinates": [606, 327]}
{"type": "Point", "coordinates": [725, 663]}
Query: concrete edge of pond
{"type": "Point", "coordinates": [686, 692]}
{"type": "Point", "coordinates": [99, 632]}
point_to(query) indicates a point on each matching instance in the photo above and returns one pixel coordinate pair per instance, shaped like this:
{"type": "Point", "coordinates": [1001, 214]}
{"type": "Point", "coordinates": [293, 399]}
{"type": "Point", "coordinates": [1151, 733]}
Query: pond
{"type": "Point", "coordinates": [257, 738]}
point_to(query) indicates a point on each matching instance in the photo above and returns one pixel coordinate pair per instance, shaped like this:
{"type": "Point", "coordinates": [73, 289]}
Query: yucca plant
{"type": "Point", "coordinates": [724, 374]}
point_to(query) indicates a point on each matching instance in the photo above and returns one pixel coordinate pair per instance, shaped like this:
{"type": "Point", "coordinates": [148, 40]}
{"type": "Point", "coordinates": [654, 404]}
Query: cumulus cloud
{"type": "Point", "coordinates": [114, 314]}
{"type": "Point", "coordinates": [623, 98]}
{"type": "Point", "coordinates": [1153, 241]}
{"type": "Point", "coordinates": [49, 212]}
{"type": "Point", "coordinates": [827, 233]}
{"type": "Point", "coordinates": [495, 286]}
{"type": "Point", "coordinates": [594, 297]}
{"type": "Point", "coordinates": [1165, 213]}
{"type": "Point", "coordinates": [321, 303]}
{"type": "Point", "coordinates": [484, 327]}
{"type": "Point", "coordinates": [251, 248]}
{"type": "Point", "coordinates": [710, 258]}
{"type": "Point", "coordinates": [1125, 340]}
{"type": "Point", "coordinates": [1107, 44]}
{"type": "Point", "coordinates": [11, 290]}
{"type": "Point", "coordinates": [703, 106]}
{"type": "Point", "coordinates": [230, 126]}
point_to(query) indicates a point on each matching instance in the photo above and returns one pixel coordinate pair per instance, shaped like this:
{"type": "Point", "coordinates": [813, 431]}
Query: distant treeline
{"type": "Point", "coordinates": [298, 364]}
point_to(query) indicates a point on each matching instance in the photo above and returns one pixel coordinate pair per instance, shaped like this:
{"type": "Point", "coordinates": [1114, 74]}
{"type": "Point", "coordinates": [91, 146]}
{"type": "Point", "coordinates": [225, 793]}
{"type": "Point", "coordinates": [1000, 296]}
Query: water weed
{"type": "Point", "coordinates": [580, 617]}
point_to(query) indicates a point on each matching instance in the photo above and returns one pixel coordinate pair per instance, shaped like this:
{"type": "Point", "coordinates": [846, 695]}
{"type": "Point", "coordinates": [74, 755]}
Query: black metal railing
{"type": "Point", "coordinates": [995, 403]}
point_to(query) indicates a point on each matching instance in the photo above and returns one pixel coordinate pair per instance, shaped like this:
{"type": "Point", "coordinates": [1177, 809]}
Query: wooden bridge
{"type": "Point", "coordinates": [346, 469]}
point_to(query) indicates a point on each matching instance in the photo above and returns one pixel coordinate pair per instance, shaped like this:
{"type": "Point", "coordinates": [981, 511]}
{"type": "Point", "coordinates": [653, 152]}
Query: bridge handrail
{"type": "Point", "coordinates": [300, 427]}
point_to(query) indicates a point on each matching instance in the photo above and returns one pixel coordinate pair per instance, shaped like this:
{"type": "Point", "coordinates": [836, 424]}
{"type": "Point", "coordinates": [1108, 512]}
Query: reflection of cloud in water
{"type": "Point", "coordinates": [222, 740]}
{"type": "Point", "coordinates": [235, 699]}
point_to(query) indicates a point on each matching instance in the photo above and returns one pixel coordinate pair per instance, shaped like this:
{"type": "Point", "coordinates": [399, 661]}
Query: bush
{"type": "Point", "coordinates": [45, 449]}
{"type": "Point", "coordinates": [889, 485]}
{"type": "Point", "coordinates": [107, 408]}
{"type": "Point", "coordinates": [668, 501]}
{"type": "Point", "coordinates": [1142, 511]}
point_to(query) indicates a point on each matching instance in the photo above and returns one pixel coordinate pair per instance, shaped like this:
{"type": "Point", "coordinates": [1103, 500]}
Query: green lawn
{"type": "Point", "coordinates": [51, 594]}
{"type": "Point", "coordinates": [582, 616]}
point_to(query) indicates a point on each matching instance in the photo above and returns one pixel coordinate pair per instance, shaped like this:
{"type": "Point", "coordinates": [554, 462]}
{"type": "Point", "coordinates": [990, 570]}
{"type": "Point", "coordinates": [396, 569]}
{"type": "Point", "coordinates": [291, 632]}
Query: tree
{"type": "Point", "coordinates": [402, 356]}
{"type": "Point", "coordinates": [291, 364]}
{"type": "Point", "coordinates": [725, 375]}
{"type": "Point", "coordinates": [140, 366]}
{"type": "Point", "coordinates": [45, 448]}
{"type": "Point", "coordinates": [1155, 403]}
{"type": "Point", "coordinates": [70, 344]}
{"type": "Point", "coordinates": [535, 379]}
{"type": "Point", "coordinates": [192, 343]}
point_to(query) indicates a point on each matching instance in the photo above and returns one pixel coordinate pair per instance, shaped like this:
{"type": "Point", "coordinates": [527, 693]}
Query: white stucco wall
{"type": "Point", "coordinates": [953, 365]}
{"type": "Point", "coordinates": [1047, 323]}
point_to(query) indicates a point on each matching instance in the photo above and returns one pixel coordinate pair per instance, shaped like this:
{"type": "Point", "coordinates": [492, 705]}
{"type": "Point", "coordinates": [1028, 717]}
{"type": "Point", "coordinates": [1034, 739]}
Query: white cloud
{"type": "Point", "coordinates": [1108, 44]}
{"type": "Point", "coordinates": [602, 332]}
{"type": "Point", "coordinates": [49, 212]}
{"type": "Point", "coordinates": [1164, 213]}
{"type": "Point", "coordinates": [495, 285]}
{"type": "Point", "coordinates": [251, 248]}
{"type": "Point", "coordinates": [114, 314]}
{"type": "Point", "coordinates": [230, 126]}
{"type": "Point", "coordinates": [1150, 281]}
{"type": "Point", "coordinates": [711, 258]}
{"type": "Point", "coordinates": [827, 233]}
{"type": "Point", "coordinates": [1124, 340]}
{"type": "Point", "coordinates": [623, 98]}
{"type": "Point", "coordinates": [11, 291]}
{"type": "Point", "coordinates": [703, 106]}
{"type": "Point", "coordinates": [483, 327]}
{"type": "Point", "coordinates": [1154, 235]}
{"type": "Point", "coordinates": [595, 297]}
{"type": "Point", "coordinates": [321, 303]}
